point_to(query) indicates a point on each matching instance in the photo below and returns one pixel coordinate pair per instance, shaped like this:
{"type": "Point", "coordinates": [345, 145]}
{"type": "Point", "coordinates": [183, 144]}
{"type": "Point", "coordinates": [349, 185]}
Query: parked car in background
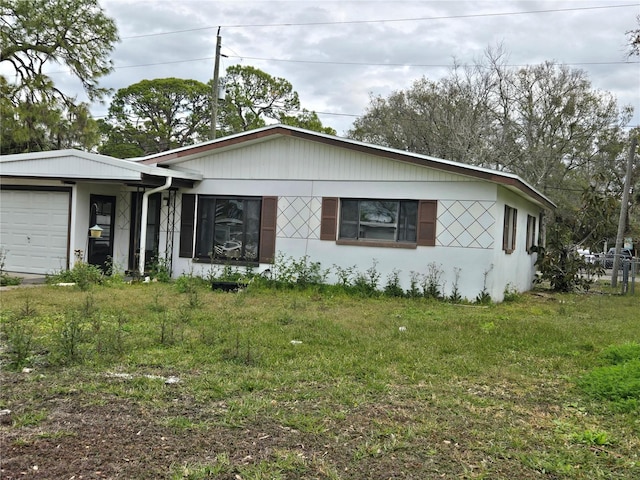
{"type": "Point", "coordinates": [625, 254]}
{"type": "Point", "coordinates": [586, 254]}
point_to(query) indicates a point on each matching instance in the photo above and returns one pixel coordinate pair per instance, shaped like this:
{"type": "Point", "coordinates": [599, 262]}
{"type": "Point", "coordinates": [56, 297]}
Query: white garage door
{"type": "Point", "coordinates": [34, 228]}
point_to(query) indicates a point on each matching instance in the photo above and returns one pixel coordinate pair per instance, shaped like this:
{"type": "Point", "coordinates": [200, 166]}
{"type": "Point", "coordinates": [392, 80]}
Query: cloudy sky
{"type": "Point", "coordinates": [337, 54]}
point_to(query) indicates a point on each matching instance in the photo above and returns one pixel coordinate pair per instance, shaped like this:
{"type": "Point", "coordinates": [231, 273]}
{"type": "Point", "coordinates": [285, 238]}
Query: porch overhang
{"type": "Point", "coordinates": [74, 166]}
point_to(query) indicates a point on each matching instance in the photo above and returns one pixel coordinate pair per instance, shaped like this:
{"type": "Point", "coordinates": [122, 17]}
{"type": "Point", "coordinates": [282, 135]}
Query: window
{"type": "Point", "coordinates": [236, 229]}
{"type": "Point", "coordinates": [228, 228]}
{"type": "Point", "coordinates": [531, 232]}
{"type": "Point", "coordinates": [380, 220]}
{"type": "Point", "coordinates": [509, 232]}
{"type": "Point", "coordinates": [401, 223]}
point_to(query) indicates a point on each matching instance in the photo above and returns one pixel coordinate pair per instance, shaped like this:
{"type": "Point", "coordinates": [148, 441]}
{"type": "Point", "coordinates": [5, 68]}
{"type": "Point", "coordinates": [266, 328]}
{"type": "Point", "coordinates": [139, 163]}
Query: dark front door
{"type": "Point", "coordinates": [102, 213]}
{"type": "Point", "coordinates": [153, 230]}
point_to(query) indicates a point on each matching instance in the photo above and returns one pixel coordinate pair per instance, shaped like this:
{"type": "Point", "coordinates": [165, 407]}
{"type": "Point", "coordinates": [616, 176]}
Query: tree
{"type": "Point", "coordinates": [633, 37]}
{"type": "Point", "coordinates": [28, 124]}
{"type": "Point", "coordinates": [35, 34]}
{"type": "Point", "coordinates": [152, 116]}
{"type": "Point", "coordinates": [558, 120]}
{"type": "Point", "coordinates": [308, 120]}
{"type": "Point", "coordinates": [561, 265]}
{"type": "Point", "coordinates": [254, 97]}
{"type": "Point", "coordinates": [543, 122]}
{"type": "Point", "coordinates": [441, 119]}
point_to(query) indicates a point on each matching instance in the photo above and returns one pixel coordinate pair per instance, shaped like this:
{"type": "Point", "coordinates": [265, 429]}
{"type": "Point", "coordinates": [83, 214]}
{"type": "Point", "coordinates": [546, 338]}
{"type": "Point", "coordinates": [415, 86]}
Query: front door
{"type": "Point", "coordinates": [100, 249]}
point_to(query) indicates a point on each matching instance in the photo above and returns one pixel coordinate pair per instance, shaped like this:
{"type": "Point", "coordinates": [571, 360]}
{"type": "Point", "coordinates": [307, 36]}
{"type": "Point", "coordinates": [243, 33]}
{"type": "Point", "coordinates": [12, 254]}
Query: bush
{"type": "Point", "coordinates": [82, 274]}
{"type": "Point", "coordinates": [562, 266]}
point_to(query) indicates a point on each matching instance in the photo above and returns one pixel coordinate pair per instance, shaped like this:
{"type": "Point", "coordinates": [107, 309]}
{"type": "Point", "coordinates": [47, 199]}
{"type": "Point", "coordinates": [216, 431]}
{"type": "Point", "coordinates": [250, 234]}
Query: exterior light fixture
{"type": "Point", "coordinates": [95, 231]}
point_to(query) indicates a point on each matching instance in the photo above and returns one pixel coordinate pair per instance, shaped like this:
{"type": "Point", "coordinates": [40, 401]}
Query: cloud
{"type": "Point", "coordinates": [369, 56]}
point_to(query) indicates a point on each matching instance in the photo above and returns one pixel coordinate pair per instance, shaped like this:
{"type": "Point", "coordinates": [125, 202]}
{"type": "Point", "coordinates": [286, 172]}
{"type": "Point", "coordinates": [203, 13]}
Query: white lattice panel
{"type": "Point", "coordinates": [465, 223]}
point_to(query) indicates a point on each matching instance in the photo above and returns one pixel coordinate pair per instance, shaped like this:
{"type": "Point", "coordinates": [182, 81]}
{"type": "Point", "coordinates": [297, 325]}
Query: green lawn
{"type": "Point", "coordinates": [290, 384]}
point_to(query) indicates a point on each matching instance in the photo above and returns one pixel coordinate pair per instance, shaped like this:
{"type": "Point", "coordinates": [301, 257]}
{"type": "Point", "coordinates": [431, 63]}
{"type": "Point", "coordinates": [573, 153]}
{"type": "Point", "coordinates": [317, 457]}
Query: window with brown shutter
{"type": "Point", "coordinates": [187, 217]}
{"type": "Point", "coordinates": [229, 229]}
{"type": "Point", "coordinates": [378, 222]}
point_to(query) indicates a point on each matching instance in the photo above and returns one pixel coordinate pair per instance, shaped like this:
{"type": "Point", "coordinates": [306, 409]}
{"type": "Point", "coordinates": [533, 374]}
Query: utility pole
{"type": "Point", "coordinates": [215, 87]}
{"type": "Point", "coordinates": [623, 211]}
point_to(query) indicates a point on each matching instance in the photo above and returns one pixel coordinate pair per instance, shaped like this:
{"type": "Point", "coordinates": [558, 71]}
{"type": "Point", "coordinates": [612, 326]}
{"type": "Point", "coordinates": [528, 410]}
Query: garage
{"type": "Point", "coordinates": [34, 229]}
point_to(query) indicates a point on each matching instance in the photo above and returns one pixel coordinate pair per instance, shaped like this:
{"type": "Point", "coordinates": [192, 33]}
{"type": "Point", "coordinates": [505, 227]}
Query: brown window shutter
{"type": "Point", "coordinates": [427, 215]}
{"type": "Point", "coordinates": [329, 218]}
{"type": "Point", "coordinates": [186, 225]}
{"type": "Point", "coordinates": [268, 223]}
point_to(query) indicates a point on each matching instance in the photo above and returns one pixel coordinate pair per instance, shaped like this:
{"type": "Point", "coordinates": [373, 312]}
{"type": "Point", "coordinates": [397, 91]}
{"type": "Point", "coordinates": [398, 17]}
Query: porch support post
{"type": "Point", "coordinates": [143, 221]}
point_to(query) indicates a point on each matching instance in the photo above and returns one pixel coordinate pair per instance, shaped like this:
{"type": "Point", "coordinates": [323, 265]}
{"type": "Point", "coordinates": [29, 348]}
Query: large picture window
{"type": "Point", "coordinates": [228, 228]}
{"type": "Point", "coordinates": [379, 220]}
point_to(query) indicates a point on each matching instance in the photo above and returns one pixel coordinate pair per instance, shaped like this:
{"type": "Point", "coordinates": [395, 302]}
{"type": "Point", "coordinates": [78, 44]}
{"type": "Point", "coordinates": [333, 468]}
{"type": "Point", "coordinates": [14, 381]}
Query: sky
{"type": "Point", "coordinates": [337, 54]}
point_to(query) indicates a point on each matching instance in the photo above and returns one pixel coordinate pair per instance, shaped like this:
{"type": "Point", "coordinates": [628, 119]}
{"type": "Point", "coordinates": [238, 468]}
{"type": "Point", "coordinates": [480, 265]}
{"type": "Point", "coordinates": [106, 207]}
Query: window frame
{"type": "Point", "coordinates": [509, 229]}
{"type": "Point", "coordinates": [425, 224]}
{"type": "Point", "coordinates": [395, 208]}
{"type": "Point", "coordinates": [211, 201]}
{"type": "Point", "coordinates": [190, 225]}
{"type": "Point", "coordinates": [531, 233]}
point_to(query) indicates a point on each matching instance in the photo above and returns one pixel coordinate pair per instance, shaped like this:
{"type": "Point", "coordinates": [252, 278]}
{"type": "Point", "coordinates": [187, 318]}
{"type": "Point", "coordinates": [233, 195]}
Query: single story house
{"type": "Point", "coordinates": [243, 199]}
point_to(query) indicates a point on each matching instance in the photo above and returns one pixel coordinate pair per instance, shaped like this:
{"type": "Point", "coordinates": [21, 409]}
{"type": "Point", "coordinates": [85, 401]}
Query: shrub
{"type": "Point", "coordinates": [82, 274]}
{"type": "Point", "coordinates": [431, 281]}
{"type": "Point", "coordinates": [511, 293]}
{"type": "Point", "coordinates": [562, 266]}
{"type": "Point", "coordinates": [18, 335]}
{"type": "Point", "coordinates": [366, 284]}
{"type": "Point", "coordinates": [160, 270]}
{"type": "Point", "coordinates": [392, 287]}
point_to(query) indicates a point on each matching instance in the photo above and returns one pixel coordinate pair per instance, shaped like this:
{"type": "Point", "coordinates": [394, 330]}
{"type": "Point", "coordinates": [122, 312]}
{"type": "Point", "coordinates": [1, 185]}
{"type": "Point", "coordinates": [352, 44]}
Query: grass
{"type": "Point", "coordinates": [317, 384]}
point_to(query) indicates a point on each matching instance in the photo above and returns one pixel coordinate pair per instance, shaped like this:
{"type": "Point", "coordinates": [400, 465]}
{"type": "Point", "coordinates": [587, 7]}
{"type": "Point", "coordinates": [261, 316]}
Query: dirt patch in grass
{"type": "Point", "coordinates": [87, 434]}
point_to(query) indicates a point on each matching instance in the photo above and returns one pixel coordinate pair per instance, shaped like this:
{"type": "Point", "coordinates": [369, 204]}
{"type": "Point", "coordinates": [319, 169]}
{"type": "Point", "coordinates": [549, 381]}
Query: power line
{"type": "Point", "coordinates": [435, 65]}
{"type": "Point", "coordinates": [388, 20]}
{"type": "Point", "coordinates": [362, 64]}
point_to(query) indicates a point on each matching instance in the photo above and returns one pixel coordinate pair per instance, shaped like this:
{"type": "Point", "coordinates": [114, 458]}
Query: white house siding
{"type": "Point", "coordinates": [294, 159]}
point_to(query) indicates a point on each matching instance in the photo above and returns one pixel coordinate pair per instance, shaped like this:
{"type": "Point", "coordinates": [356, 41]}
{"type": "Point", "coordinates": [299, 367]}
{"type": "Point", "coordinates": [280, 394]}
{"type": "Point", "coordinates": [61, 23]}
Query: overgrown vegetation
{"type": "Point", "coordinates": [618, 382]}
{"type": "Point", "coordinates": [561, 265]}
{"type": "Point", "coordinates": [83, 274]}
{"type": "Point", "coordinates": [5, 278]}
{"type": "Point", "coordinates": [310, 382]}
